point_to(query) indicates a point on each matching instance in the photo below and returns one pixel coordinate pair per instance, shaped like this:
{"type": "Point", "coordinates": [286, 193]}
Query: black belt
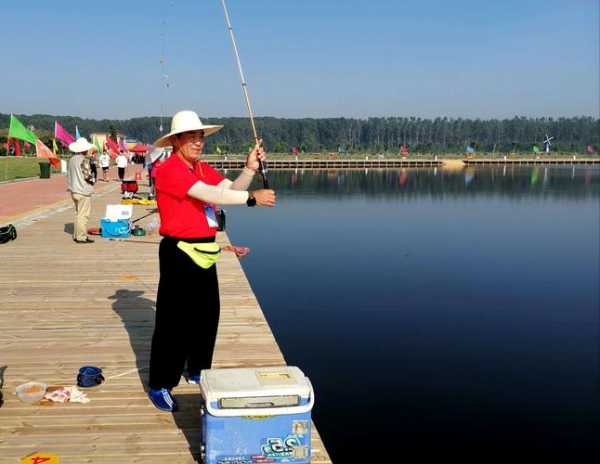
{"type": "Point", "coordinates": [168, 238]}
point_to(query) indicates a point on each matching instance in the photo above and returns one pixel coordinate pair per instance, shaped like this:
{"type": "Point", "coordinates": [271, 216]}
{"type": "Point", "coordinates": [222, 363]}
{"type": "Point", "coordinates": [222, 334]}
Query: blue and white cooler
{"type": "Point", "coordinates": [256, 416]}
{"type": "Point", "coordinates": [116, 222]}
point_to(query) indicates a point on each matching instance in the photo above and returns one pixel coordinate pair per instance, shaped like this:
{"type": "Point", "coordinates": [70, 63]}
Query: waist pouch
{"type": "Point", "coordinates": [8, 233]}
{"type": "Point", "coordinates": [204, 255]}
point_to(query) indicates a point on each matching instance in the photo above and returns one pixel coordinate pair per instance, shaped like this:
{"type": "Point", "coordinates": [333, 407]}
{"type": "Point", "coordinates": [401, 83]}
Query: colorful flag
{"type": "Point", "coordinates": [17, 130]}
{"type": "Point", "coordinates": [62, 135]}
{"type": "Point", "coordinates": [123, 145]}
{"type": "Point", "coordinates": [77, 134]}
{"type": "Point", "coordinates": [112, 146]}
{"type": "Point", "coordinates": [42, 151]}
{"type": "Point", "coordinates": [98, 145]}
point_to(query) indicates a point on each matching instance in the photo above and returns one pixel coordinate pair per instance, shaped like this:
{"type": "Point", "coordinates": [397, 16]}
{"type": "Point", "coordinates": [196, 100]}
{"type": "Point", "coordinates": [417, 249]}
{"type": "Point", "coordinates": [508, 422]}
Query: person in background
{"type": "Point", "coordinates": [149, 168]}
{"type": "Point", "coordinates": [80, 181]}
{"type": "Point", "coordinates": [187, 304]}
{"type": "Point", "coordinates": [404, 150]}
{"type": "Point", "coordinates": [122, 162]}
{"type": "Point", "coordinates": [104, 164]}
{"type": "Point", "coordinates": [93, 153]}
{"type": "Point", "coordinates": [138, 161]}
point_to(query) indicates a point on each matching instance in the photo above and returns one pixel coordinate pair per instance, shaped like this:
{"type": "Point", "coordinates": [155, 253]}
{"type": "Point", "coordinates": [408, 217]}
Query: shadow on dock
{"type": "Point", "coordinates": [69, 228]}
{"type": "Point", "coordinates": [137, 314]}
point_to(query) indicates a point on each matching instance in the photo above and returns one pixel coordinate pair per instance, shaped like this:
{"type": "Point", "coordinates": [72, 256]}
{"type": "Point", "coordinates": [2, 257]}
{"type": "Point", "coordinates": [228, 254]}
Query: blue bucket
{"type": "Point", "coordinates": [89, 376]}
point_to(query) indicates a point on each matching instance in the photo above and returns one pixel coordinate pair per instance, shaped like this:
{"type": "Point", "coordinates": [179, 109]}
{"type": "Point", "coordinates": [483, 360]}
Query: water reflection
{"type": "Point", "coordinates": [453, 314]}
{"type": "Point", "coordinates": [470, 175]}
{"type": "Point", "coordinates": [407, 183]}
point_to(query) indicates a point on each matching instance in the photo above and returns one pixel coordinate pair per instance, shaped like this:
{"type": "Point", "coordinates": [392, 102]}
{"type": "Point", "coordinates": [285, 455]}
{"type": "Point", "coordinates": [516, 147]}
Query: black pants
{"type": "Point", "coordinates": [121, 173]}
{"type": "Point", "coordinates": [187, 316]}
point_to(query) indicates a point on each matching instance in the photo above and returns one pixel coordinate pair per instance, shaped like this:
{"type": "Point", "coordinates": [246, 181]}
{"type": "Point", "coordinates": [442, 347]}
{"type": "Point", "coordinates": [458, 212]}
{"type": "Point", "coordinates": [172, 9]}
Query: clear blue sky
{"type": "Point", "coordinates": [309, 58]}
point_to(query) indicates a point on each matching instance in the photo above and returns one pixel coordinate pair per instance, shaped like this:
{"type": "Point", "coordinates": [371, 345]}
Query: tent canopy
{"type": "Point", "coordinates": [139, 148]}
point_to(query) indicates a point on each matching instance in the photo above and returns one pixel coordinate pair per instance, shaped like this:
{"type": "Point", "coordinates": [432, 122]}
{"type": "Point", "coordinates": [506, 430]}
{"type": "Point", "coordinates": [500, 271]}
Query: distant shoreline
{"type": "Point", "coordinates": [17, 168]}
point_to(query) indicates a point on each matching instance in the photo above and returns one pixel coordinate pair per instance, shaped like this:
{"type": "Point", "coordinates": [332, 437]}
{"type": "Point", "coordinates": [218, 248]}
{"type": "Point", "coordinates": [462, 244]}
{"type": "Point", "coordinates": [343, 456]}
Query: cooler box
{"type": "Point", "coordinates": [257, 415]}
{"type": "Point", "coordinates": [120, 228]}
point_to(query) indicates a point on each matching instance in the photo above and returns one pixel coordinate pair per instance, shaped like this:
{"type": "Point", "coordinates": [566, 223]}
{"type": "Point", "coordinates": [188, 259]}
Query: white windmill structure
{"type": "Point", "coordinates": [548, 144]}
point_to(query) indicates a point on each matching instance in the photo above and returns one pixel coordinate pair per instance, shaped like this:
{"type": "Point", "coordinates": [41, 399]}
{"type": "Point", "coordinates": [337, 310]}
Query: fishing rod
{"type": "Point", "coordinates": [145, 215]}
{"type": "Point", "coordinates": [239, 251]}
{"type": "Point", "coordinates": [261, 167]}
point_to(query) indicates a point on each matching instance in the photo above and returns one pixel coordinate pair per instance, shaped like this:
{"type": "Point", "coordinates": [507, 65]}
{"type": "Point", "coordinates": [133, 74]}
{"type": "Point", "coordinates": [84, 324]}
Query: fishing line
{"type": "Point", "coordinates": [165, 83]}
{"type": "Point", "coordinates": [261, 167]}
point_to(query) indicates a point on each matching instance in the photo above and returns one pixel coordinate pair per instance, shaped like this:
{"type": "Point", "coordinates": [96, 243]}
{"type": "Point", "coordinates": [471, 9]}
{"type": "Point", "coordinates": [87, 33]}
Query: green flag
{"type": "Point", "coordinates": [98, 146]}
{"type": "Point", "coordinates": [17, 130]}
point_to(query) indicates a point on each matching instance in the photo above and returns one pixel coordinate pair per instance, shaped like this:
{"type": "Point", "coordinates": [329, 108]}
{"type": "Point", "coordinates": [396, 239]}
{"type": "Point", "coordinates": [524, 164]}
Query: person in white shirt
{"type": "Point", "coordinates": [104, 164]}
{"type": "Point", "coordinates": [121, 165]}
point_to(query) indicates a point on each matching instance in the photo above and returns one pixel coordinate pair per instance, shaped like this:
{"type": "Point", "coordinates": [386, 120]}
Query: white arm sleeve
{"type": "Point", "coordinates": [220, 194]}
{"type": "Point", "coordinates": [244, 180]}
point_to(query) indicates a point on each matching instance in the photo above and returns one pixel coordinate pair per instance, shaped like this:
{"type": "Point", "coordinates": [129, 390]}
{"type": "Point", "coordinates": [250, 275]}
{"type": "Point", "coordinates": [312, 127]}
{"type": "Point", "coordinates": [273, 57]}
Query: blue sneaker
{"type": "Point", "coordinates": [193, 379]}
{"type": "Point", "coordinates": [163, 400]}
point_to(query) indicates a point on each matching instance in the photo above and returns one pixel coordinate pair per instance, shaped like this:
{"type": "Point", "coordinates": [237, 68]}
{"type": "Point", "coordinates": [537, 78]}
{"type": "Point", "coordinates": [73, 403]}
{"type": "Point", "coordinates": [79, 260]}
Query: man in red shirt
{"type": "Point", "coordinates": [187, 303]}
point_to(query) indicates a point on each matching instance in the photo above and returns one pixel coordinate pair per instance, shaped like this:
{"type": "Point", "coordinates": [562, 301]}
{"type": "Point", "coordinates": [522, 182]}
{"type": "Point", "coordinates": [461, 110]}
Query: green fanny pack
{"type": "Point", "coordinates": [204, 255]}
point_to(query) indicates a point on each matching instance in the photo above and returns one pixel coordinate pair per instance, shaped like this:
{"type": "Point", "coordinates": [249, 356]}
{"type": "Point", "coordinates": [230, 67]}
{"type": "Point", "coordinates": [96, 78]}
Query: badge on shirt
{"type": "Point", "coordinates": [211, 217]}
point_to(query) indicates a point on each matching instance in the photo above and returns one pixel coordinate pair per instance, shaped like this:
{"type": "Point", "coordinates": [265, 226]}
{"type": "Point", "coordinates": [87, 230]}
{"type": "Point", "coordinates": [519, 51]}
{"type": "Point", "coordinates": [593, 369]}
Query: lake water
{"type": "Point", "coordinates": [451, 315]}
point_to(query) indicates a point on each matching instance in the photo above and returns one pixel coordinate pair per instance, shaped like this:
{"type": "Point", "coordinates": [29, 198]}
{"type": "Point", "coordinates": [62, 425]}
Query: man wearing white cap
{"type": "Point", "coordinates": [187, 303]}
{"type": "Point", "coordinates": [81, 181]}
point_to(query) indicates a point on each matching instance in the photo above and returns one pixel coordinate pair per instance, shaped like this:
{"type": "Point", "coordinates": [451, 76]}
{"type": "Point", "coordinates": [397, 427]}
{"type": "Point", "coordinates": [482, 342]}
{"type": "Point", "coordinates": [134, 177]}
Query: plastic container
{"type": "Point", "coordinates": [138, 231]}
{"type": "Point", "coordinates": [115, 229]}
{"type": "Point", "coordinates": [256, 415]}
{"type": "Point", "coordinates": [31, 391]}
{"type": "Point", "coordinates": [89, 376]}
{"type": "Point", "coordinates": [152, 227]}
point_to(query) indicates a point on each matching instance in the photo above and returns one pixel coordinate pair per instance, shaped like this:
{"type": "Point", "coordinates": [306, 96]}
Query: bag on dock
{"type": "Point", "coordinates": [8, 233]}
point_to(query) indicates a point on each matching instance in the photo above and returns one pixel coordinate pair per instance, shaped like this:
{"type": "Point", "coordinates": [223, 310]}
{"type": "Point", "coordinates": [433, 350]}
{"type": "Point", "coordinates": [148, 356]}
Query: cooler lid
{"type": "Point", "coordinates": [256, 382]}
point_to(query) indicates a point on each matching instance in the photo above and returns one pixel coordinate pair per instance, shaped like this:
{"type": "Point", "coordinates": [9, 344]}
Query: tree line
{"type": "Point", "coordinates": [371, 135]}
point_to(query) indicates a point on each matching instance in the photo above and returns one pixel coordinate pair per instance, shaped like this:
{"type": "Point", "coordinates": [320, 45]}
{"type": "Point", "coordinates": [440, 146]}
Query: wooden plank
{"type": "Point", "coordinates": [65, 305]}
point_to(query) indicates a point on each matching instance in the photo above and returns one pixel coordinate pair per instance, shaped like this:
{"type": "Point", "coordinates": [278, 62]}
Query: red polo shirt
{"type": "Point", "coordinates": [182, 216]}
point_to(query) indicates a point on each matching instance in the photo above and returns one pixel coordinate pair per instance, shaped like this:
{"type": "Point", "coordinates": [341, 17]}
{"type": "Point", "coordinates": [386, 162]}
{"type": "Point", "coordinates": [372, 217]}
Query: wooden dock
{"type": "Point", "coordinates": [377, 163]}
{"type": "Point", "coordinates": [372, 163]}
{"type": "Point", "coordinates": [65, 305]}
{"type": "Point", "coordinates": [531, 161]}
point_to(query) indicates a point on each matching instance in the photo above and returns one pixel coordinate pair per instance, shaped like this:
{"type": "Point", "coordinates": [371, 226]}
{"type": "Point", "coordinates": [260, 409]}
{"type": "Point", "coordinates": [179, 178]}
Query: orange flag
{"type": "Point", "coordinates": [42, 151]}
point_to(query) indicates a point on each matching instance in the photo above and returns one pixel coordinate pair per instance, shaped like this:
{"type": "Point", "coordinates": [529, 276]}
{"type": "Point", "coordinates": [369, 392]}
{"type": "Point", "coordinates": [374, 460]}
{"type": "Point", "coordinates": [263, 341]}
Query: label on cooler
{"type": "Point", "coordinates": [291, 448]}
{"type": "Point", "coordinates": [258, 459]}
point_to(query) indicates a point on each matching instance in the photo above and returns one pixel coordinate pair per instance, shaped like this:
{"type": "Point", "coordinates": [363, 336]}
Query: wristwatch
{"type": "Point", "coordinates": [251, 201]}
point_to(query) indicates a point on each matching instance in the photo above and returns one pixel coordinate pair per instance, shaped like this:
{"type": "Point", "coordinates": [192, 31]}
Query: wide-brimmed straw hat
{"type": "Point", "coordinates": [185, 121]}
{"type": "Point", "coordinates": [80, 145]}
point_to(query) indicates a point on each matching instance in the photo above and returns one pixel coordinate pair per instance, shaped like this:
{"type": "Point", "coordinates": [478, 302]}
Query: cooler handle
{"type": "Point", "coordinates": [265, 411]}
